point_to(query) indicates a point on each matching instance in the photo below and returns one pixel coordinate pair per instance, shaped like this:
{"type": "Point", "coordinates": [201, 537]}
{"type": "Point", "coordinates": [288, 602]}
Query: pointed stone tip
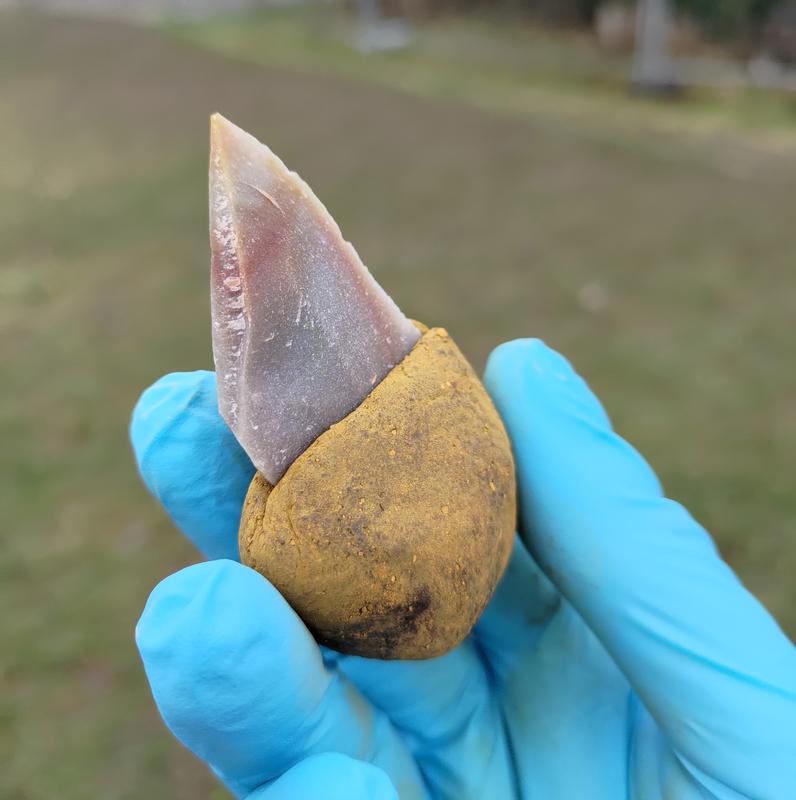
{"type": "Point", "coordinates": [220, 128]}
{"type": "Point", "coordinates": [224, 133]}
{"type": "Point", "coordinates": [229, 141]}
{"type": "Point", "coordinates": [218, 123]}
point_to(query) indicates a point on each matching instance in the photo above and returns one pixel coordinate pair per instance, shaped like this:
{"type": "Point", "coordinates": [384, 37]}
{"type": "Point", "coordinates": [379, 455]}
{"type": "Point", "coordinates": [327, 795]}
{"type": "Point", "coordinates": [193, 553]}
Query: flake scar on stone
{"type": "Point", "coordinates": [265, 195]}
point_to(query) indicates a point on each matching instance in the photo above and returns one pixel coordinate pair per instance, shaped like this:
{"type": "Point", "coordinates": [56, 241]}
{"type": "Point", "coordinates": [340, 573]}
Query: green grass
{"type": "Point", "coordinates": [653, 245]}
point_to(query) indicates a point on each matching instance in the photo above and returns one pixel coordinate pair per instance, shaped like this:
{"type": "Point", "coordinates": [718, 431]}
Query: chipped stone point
{"type": "Point", "coordinates": [301, 331]}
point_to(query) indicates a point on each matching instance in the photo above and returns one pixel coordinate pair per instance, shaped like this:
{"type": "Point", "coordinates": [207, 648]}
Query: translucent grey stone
{"type": "Point", "coordinates": [301, 330]}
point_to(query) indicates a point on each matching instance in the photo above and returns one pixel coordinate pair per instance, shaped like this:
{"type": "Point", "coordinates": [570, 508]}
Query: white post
{"type": "Point", "coordinates": [368, 12]}
{"type": "Point", "coordinates": [653, 70]}
{"type": "Point", "coordinates": [377, 34]}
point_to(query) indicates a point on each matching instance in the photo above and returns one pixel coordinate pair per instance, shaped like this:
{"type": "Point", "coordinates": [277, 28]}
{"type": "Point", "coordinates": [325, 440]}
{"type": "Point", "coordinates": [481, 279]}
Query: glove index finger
{"type": "Point", "coordinates": [707, 660]}
{"type": "Point", "coordinates": [190, 460]}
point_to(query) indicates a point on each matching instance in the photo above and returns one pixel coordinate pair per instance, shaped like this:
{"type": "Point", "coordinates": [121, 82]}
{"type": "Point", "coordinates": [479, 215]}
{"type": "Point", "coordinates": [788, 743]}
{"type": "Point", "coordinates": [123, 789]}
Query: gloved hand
{"type": "Point", "coordinates": [619, 658]}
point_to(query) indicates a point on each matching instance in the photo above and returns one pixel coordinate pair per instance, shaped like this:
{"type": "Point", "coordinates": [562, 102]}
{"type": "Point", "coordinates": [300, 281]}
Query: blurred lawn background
{"type": "Point", "coordinates": [497, 179]}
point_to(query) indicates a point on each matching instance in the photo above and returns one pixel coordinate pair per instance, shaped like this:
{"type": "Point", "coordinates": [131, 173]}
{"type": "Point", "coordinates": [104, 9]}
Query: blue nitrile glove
{"type": "Point", "coordinates": [630, 663]}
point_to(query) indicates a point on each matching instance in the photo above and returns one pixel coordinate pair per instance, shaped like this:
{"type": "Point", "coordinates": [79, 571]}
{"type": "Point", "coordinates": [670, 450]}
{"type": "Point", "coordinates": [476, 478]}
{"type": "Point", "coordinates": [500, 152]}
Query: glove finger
{"type": "Point", "coordinates": [446, 709]}
{"type": "Point", "coordinates": [445, 705]}
{"type": "Point", "coordinates": [431, 697]}
{"type": "Point", "coordinates": [524, 602]}
{"type": "Point", "coordinates": [240, 681]}
{"type": "Point", "coordinates": [707, 660]}
{"type": "Point", "coordinates": [331, 776]}
{"type": "Point", "coordinates": [190, 460]}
